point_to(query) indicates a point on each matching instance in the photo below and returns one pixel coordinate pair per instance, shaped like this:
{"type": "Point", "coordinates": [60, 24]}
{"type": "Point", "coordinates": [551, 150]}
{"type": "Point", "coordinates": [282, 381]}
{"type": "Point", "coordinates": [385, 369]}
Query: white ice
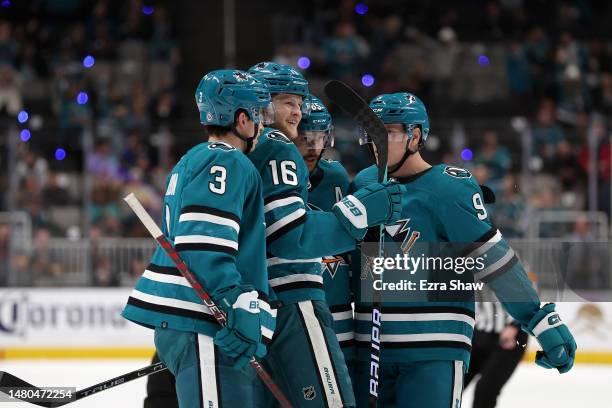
{"type": "Point", "coordinates": [585, 386]}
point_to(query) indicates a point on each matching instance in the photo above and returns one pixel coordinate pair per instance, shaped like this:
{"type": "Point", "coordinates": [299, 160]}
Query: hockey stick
{"type": "Point", "coordinates": [10, 382]}
{"type": "Point", "coordinates": [350, 102]}
{"type": "Point", "coordinates": [156, 233]}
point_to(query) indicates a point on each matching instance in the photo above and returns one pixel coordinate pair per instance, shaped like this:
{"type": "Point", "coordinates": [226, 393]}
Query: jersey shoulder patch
{"type": "Point", "coordinates": [278, 136]}
{"type": "Point", "coordinates": [457, 172]}
{"type": "Point", "coordinates": [221, 146]}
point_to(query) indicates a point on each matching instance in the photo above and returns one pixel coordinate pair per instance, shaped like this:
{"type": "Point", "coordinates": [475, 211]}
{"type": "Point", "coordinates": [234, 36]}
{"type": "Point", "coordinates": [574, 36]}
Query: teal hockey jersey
{"type": "Point", "coordinates": [296, 237]}
{"type": "Point", "coordinates": [213, 215]}
{"type": "Point", "coordinates": [443, 204]}
{"type": "Point", "coordinates": [329, 182]}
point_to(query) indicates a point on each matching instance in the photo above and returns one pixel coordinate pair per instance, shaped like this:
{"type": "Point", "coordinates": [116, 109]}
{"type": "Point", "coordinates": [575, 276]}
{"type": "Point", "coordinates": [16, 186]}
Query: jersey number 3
{"type": "Point", "coordinates": [218, 186]}
{"type": "Point", "coordinates": [481, 211]}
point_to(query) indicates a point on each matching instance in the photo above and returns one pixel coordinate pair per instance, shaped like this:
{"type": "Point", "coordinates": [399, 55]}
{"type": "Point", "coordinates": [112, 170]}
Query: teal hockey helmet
{"type": "Point", "coordinates": [221, 93]}
{"type": "Point", "coordinates": [404, 108]}
{"type": "Point", "coordinates": [280, 78]}
{"type": "Point", "coordinates": [318, 119]}
{"type": "Point", "coordinates": [317, 123]}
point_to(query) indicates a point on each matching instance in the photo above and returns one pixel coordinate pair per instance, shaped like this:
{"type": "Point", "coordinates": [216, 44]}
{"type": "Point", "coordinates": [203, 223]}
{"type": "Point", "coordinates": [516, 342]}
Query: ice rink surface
{"type": "Point", "coordinates": [585, 386]}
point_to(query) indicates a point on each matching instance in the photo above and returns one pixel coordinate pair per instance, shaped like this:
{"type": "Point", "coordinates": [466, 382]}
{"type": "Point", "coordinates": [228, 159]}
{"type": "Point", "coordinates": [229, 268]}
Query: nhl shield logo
{"type": "Point", "coordinates": [209, 117]}
{"type": "Point", "coordinates": [309, 393]}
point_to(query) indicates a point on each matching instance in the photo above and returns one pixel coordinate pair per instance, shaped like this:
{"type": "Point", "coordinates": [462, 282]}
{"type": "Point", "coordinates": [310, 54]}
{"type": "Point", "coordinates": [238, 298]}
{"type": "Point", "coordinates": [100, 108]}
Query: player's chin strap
{"type": "Point", "coordinates": [248, 140]}
{"type": "Point", "coordinates": [407, 154]}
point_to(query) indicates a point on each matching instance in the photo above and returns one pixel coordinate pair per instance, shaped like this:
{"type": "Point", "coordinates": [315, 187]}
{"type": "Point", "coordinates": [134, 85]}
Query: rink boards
{"type": "Point", "coordinates": [86, 323]}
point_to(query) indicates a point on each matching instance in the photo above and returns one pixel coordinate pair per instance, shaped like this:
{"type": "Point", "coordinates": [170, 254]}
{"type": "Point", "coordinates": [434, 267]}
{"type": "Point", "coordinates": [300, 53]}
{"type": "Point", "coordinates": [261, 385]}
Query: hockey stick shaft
{"type": "Point", "coordinates": [350, 102]}
{"type": "Point", "coordinates": [9, 381]}
{"type": "Point", "coordinates": [156, 233]}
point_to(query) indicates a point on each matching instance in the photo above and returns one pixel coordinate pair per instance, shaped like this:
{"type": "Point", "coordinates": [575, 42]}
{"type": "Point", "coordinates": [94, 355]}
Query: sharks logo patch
{"type": "Point", "coordinates": [400, 231]}
{"type": "Point", "coordinates": [457, 172]}
{"type": "Point", "coordinates": [279, 137]}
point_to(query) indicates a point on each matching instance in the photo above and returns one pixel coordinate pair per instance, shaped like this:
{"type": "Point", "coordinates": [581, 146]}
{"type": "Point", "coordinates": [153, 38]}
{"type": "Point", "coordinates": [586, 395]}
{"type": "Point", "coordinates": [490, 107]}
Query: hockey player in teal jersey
{"type": "Point", "coordinates": [328, 183]}
{"type": "Point", "coordinates": [305, 356]}
{"type": "Point", "coordinates": [425, 345]}
{"type": "Point", "coordinates": [213, 215]}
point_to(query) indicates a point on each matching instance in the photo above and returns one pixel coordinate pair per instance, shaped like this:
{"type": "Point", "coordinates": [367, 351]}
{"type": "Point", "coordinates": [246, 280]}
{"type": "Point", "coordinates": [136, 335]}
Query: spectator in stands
{"type": "Point", "coordinates": [546, 132]}
{"type": "Point", "coordinates": [103, 211]}
{"type": "Point", "coordinates": [102, 163]}
{"type": "Point", "coordinates": [34, 165]}
{"type": "Point", "coordinates": [104, 276]}
{"type": "Point", "coordinates": [508, 210]}
{"type": "Point", "coordinates": [566, 167]}
{"type": "Point", "coordinates": [345, 51]}
{"type": "Point", "coordinates": [73, 115]}
{"type": "Point", "coordinates": [602, 162]}
{"type": "Point", "coordinates": [588, 258]}
{"type": "Point", "coordinates": [43, 261]}
{"type": "Point", "coordinates": [495, 157]}
{"type": "Point", "coordinates": [518, 72]}
{"type": "Point", "coordinates": [55, 192]}
{"type": "Point", "coordinates": [8, 45]}
{"type": "Point", "coordinates": [10, 95]}
{"type": "Point", "coordinates": [163, 47]}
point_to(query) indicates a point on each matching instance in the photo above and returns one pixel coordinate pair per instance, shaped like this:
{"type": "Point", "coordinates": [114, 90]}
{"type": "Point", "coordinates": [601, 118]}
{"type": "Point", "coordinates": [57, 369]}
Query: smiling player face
{"type": "Point", "coordinates": [288, 113]}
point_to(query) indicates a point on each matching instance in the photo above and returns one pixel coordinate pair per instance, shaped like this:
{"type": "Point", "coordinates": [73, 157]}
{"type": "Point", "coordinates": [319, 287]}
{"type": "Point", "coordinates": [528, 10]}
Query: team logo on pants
{"type": "Point", "coordinates": [309, 393]}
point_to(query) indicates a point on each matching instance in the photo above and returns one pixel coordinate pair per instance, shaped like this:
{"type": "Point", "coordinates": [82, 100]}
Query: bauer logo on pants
{"type": "Point", "coordinates": [309, 393]}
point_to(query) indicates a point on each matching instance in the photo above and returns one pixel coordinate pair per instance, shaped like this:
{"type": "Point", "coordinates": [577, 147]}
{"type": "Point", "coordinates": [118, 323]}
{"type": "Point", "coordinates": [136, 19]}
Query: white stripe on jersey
{"type": "Point", "coordinates": [284, 221]}
{"type": "Point", "coordinates": [208, 373]}
{"type": "Point", "coordinates": [418, 317]}
{"type": "Point", "coordinates": [486, 246]}
{"type": "Point", "coordinates": [267, 333]}
{"type": "Point", "coordinates": [164, 278]}
{"type": "Point", "coordinates": [345, 336]}
{"type": "Point", "coordinates": [321, 354]}
{"type": "Point", "coordinates": [205, 239]}
{"type": "Point", "coordinates": [214, 219]}
{"type": "Point", "coordinates": [298, 277]}
{"type": "Point", "coordinates": [495, 266]}
{"type": "Point", "coordinates": [457, 384]}
{"type": "Point", "coordinates": [281, 202]}
{"type": "Point", "coordinates": [164, 301]}
{"type": "Point", "coordinates": [279, 261]}
{"type": "Point", "coordinates": [348, 314]}
{"type": "Point", "coordinates": [399, 338]}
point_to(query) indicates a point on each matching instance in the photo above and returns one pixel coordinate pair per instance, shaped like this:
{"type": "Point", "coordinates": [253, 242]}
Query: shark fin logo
{"type": "Point", "coordinates": [400, 231]}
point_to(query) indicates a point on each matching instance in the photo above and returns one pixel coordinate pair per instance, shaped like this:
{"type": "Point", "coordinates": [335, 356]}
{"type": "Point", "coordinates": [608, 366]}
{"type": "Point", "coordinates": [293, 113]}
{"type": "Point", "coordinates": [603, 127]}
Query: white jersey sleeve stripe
{"type": "Point", "coordinates": [205, 239]}
{"type": "Point", "coordinates": [300, 212]}
{"type": "Point", "coordinates": [282, 202]}
{"type": "Point", "coordinates": [214, 219]}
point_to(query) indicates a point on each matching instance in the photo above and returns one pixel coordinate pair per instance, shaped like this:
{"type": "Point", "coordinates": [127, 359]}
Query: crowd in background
{"type": "Point", "coordinates": [100, 83]}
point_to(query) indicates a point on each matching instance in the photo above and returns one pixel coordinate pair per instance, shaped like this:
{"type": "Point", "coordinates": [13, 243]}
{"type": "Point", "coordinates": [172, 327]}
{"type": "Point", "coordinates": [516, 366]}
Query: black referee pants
{"type": "Point", "coordinates": [494, 364]}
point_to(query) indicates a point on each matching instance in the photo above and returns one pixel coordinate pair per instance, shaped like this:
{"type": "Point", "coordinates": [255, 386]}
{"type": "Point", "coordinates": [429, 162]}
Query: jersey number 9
{"type": "Point", "coordinates": [481, 211]}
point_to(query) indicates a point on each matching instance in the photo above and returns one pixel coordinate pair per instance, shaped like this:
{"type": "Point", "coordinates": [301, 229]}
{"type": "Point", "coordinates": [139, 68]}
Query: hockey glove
{"type": "Point", "coordinates": [558, 344]}
{"type": "Point", "coordinates": [372, 205]}
{"type": "Point", "coordinates": [241, 337]}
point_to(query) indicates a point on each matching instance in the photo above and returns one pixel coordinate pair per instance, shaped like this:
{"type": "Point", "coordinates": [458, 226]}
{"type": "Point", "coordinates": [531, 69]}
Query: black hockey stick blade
{"type": "Point", "coordinates": [9, 381]}
{"type": "Point", "coordinates": [350, 102]}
